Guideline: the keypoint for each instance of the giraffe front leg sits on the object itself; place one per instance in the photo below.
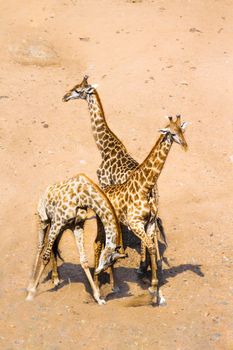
(113, 280)
(97, 252)
(54, 232)
(79, 238)
(32, 289)
(137, 226)
(143, 262)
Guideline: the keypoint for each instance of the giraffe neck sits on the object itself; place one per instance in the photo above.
(105, 139)
(148, 172)
(100, 204)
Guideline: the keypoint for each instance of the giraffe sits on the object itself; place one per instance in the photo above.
(117, 163)
(130, 199)
(64, 205)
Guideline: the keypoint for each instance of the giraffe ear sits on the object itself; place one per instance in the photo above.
(164, 131)
(184, 126)
(115, 256)
(90, 89)
(94, 86)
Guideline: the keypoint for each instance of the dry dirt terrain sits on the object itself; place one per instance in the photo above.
(150, 59)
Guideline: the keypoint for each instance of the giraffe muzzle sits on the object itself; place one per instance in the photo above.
(66, 97)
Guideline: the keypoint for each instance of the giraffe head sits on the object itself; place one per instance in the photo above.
(108, 257)
(82, 90)
(175, 130)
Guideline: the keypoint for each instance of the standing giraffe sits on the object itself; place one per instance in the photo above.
(64, 205)
(117, 164)
(130, 199)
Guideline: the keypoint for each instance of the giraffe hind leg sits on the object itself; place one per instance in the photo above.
(43, 232)
(43, 257)
(79, 238)
(54, 254)
(37, 273)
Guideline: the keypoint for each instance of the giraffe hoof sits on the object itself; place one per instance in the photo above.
(162, 301)
(56, 282)
(152, 291)
(101, 302)
(30, 297)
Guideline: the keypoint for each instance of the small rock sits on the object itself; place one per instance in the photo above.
(215, 336)
(85, 39)
(183, 83)
(193, 30)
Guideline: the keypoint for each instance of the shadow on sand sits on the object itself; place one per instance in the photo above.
(73, 273)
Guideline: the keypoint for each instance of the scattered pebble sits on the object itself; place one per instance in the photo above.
(85, 39)
(193, 30)
(215, 336)
(184, 83)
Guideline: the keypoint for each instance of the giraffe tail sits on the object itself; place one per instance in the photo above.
(56, 250)
(161, 230)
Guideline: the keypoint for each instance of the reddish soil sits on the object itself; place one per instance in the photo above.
(150, 59)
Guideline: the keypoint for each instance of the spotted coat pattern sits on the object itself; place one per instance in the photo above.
(64, 205)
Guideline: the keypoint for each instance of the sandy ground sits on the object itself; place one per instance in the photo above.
(150, 59)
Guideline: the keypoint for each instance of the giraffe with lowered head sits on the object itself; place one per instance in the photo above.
(64, 205)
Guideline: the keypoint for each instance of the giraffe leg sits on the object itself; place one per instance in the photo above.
(32, 289)
(159, 257)
(55, 229)
(43, 258)
(98, 247)
(78, 234)
(41, 242)
(120, 243)
(53, 259)
(55, 276)
(97, 252)
(152, 230)
(137, 226)
(156, 265)
(143, 262)
(113, 280)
